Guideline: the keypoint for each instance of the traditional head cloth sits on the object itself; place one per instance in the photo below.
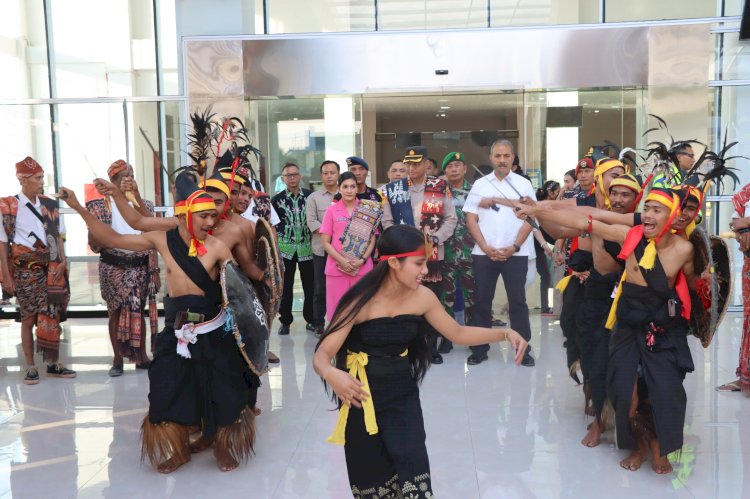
(603, 166)
(451, 157)
(117, 167)
(239, 175)
(28, 167)
(667, 199)
(189, 200)
(216, 180)
(685, 193)
(629, 181)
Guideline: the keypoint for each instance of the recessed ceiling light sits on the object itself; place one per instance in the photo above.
(445, 107)
(596, 110)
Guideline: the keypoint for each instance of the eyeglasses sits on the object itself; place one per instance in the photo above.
(290, 175)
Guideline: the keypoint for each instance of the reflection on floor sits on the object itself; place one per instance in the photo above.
(493, 430)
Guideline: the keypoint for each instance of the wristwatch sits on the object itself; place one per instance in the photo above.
(516, 247)
(435, 240)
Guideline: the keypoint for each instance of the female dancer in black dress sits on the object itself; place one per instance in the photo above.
(377, 338)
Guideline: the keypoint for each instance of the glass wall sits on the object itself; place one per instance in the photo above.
(23, 51)
(304, 131)
(301, 16)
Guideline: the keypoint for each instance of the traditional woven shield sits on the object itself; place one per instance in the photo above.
(711, 300)
(267, 254)
(246, 317)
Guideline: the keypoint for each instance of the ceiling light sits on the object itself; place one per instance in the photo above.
(445, 107)
(442, 115)
(596, 110)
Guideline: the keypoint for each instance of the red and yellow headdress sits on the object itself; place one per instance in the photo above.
(603, 166)
(191, 200)
(667, 199)
(631, 183)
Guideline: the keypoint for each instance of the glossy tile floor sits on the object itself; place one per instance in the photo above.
(493, 430)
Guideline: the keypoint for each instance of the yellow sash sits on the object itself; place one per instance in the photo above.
(355, 363)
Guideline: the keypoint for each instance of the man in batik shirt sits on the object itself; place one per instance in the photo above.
(295, 245)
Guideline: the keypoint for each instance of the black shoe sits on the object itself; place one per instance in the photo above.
(143, 365)
(319, 330)
(445, 346)
(437, 358)
(528, 361)
(499, 323)
(284, 329)
(309, 328)
(476, 358)
(60, 371)
(32, 376)
(116, 370)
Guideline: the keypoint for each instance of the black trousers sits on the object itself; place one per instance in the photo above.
(307, 273)
(544, 277)
(319, 291)
(486, 273)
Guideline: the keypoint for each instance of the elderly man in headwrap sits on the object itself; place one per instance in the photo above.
(34, 268)
(127, 279)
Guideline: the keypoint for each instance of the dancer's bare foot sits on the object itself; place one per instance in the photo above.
(171, 464)
(634, 461)
(593, 436)
(224, 459)
(660, 464)
(200, 445)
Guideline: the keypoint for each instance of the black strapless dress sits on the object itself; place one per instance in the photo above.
(392, 463)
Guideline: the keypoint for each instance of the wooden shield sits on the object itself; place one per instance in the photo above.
(710, 253)
(246, 317)
(269, 260)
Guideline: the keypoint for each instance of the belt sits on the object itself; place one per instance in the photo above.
(189, 332)
(355, 363)
(123, 261)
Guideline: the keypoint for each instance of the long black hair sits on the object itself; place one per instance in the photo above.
(342, 177)
(395, 240)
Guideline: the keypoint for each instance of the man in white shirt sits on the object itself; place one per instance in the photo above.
(34, 268)
(503, 246)
(317, 204)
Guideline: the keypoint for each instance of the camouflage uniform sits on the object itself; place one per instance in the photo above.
(458, 262)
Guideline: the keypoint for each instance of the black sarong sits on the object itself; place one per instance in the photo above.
(207, 389)
(663, 365)
(592, 335)
(580, 261)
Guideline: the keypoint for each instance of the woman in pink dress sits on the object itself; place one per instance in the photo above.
(342, 272)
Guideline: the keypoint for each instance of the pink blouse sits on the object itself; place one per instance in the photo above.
(334, 224)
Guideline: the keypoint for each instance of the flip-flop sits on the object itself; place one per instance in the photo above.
(734, 386)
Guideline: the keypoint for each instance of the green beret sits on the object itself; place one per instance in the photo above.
(452, 156)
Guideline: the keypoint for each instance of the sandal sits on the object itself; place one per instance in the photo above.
(734, 386)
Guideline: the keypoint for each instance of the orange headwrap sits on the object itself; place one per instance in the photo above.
(117, 167)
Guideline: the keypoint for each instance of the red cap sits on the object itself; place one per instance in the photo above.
(585, 162)
(28, 166)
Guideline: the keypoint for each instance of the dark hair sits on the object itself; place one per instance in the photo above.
(543, 192)
(395, 161)
(571, 174)
(434, 163)
(290, 164)
(344, 176)
(329, 162)
(681, 147)
(394, 240)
